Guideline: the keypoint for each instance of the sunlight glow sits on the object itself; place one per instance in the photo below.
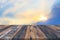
(43, 18)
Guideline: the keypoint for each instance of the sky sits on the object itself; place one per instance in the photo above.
(55, 13)
(13, 12)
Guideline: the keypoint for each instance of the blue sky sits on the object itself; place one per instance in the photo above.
(55, 20)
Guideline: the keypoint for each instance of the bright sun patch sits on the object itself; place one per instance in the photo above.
(43, 18)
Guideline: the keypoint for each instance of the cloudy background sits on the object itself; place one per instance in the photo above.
(29, 12)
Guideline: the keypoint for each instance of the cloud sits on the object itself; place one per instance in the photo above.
(27, 11)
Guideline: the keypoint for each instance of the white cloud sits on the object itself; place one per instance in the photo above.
(32, 10)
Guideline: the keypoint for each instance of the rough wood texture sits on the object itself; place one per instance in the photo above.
(30, 32)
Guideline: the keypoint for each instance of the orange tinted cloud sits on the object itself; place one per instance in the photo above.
(30, 13)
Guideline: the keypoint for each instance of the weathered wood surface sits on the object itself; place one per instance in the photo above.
(29, 32)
